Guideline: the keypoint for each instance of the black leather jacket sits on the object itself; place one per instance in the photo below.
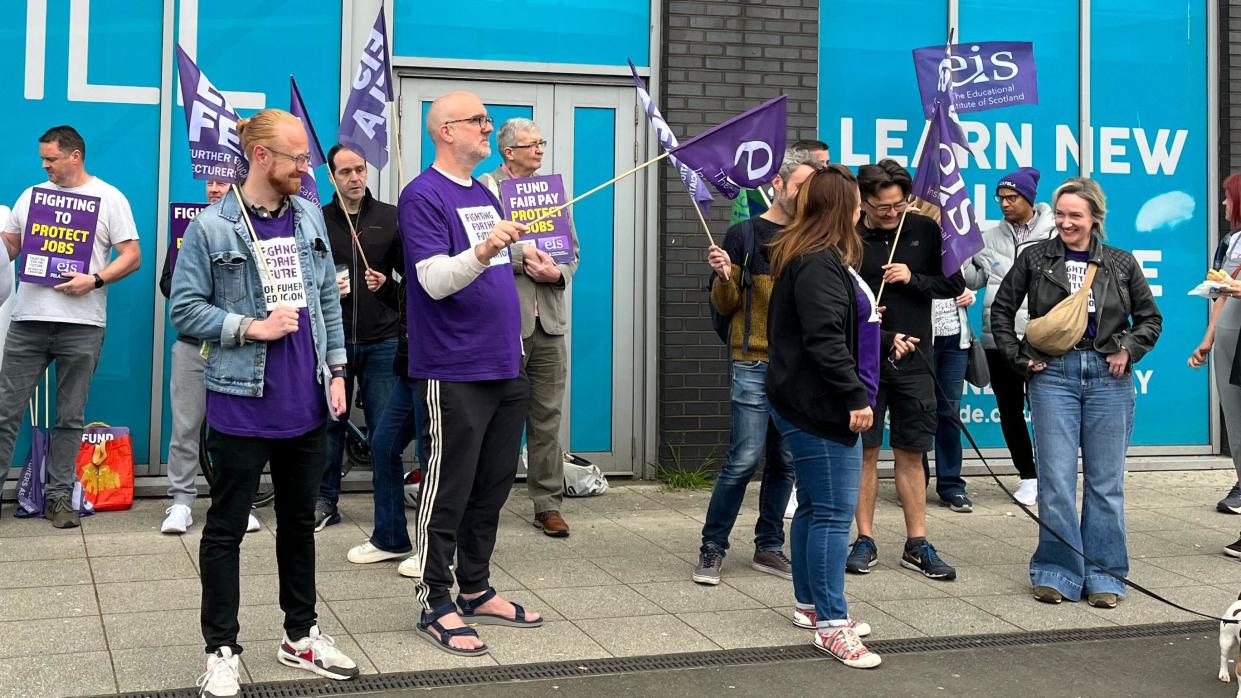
(1120, 293)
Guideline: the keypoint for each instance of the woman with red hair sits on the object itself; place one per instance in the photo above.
(1223, 333)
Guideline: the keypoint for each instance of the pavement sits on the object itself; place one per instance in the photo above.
(113, 606)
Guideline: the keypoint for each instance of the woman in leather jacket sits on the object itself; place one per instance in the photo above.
(1083, 399)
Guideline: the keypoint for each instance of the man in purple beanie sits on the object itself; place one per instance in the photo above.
(1025, 223)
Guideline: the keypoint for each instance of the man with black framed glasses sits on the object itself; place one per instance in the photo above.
(464, 326)
(544, 320)
(906, 387)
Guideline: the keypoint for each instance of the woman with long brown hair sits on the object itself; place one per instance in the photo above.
(824, 343)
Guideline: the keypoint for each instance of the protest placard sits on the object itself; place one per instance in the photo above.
(59, 236)
(179, 218)
(526, 200)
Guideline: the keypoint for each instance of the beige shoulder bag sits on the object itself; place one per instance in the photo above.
(1055, 333)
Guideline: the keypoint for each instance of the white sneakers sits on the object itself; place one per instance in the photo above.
(317, 653)
(367, 553)
(223, 676)
(844, 644)
(409, 568)
(1027, 492)
(179, 519)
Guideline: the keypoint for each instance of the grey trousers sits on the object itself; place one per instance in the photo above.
(29, 348)
(544, 362)
(1229, 394)
(188, 397)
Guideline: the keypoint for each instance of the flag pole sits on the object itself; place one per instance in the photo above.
(354, 232)
(705, 228)
(763, 194)
(555, 211)
(895, 242)
(396, 150)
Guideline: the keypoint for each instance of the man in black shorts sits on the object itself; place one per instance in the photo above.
(906, 387)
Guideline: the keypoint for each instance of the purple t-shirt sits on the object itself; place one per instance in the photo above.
(292, 402)
(1076, 263)
(869, 339)
(475, 333)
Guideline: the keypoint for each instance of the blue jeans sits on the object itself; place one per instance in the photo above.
(371, 366)
(1076, 402)
(402, 420)
(950, 364)
(828, 473)
(751, 434)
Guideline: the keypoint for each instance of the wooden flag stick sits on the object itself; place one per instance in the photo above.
(354, 232)
(396, 152)
(555, 211)
(705, 228)
(892, 253)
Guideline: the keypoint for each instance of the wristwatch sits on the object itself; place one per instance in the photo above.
(98, 281)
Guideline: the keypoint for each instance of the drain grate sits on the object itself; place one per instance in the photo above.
(694, 660)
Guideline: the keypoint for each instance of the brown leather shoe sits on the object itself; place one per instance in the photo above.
(552, 523)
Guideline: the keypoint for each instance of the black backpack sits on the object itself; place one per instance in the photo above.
(721, 322)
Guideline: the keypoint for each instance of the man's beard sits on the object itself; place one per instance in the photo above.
(288, 186)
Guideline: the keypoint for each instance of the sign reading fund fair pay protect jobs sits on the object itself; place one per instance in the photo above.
(59, 236)
(526, 200)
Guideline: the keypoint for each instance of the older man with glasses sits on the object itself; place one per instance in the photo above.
(465, 358)
(544, 321)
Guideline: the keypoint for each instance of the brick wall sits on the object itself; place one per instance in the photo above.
(1230, 87)
(721, 57)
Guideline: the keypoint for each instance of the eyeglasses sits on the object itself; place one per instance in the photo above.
(889, 208)
(1007, 198)
(537, 144)
(478, 120)
(302, 160)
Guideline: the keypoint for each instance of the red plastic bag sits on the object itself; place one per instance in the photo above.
(106, 467)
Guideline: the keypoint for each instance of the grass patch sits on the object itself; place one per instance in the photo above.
(674, 479)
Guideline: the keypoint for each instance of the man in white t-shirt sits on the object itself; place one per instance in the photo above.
(62, 323)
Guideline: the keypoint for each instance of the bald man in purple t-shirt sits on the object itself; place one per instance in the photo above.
(465, 360)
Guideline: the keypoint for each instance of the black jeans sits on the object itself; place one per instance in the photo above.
(1009, 387)
(296, 466)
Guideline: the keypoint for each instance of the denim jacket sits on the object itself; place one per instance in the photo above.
(216, 285)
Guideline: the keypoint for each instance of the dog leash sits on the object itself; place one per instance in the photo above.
(1122, 579)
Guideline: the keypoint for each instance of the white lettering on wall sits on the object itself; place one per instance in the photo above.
(1149, 257)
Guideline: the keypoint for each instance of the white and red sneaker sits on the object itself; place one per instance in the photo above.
(844, 644)
(317, 653)
(223, 676)
(808, 619)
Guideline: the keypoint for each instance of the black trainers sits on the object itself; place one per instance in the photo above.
(710, 562)
(958, 503)
(60, 512)
(862, 556)
(1233, 549)
(923, 558)
(1231, 503)
(325, 515)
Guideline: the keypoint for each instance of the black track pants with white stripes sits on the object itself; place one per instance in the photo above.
(474, 438)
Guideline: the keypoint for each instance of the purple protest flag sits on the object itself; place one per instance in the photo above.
(986, 75)
(309, 189)
(215, 149)
(364, 125)
(939, 181)
(741, 153)
(697, 188)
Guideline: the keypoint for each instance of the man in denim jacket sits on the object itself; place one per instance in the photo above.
(258, 288)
